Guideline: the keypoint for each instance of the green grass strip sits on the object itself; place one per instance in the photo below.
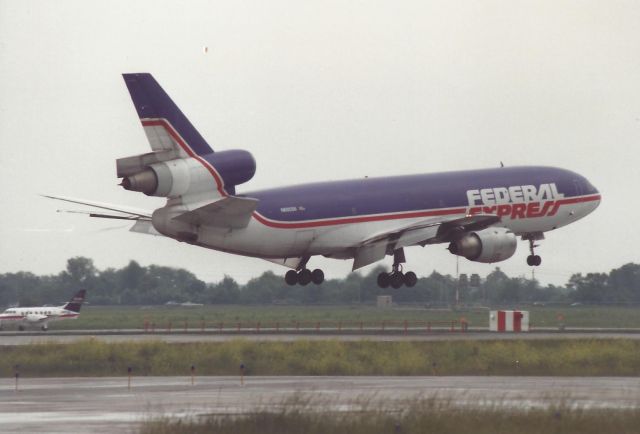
(91, 357)
(423, 416)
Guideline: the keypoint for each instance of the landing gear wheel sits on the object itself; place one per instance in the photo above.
(291, 277)
(304, 277)
(383, 280)
(21, 328)
(410, 279)
(317, 276)
(397, 279)
(534, 260)
(44, 328)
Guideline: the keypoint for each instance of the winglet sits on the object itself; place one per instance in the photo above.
(155, 108)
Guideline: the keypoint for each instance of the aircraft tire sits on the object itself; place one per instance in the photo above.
(291, 277)
(317, 276)
(21, 328)
(383, 280)
(537, 260)
(530, 260)
(397, 279)
(304, 277)
(410, 279)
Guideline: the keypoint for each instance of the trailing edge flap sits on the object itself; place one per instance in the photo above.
(231, 212)
(287, 262)
(369, 254)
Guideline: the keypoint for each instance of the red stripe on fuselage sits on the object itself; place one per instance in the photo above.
(176, 137)
(553, 205)
(348, 220)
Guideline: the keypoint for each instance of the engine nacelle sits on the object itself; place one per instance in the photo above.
(180, 176)
(488, 245)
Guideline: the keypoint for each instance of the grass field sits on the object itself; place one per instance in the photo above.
(421, 416)
(131, 317)
(552, 357)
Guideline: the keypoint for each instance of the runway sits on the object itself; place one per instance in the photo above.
(105, 405)
(67, 337)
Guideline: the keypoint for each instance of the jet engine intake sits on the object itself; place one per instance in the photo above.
(488, 245)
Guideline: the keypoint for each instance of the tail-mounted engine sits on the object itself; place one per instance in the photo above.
(488, 245)
(161, 174)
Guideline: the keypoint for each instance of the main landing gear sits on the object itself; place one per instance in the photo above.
(304, 276)
(397, 278)
(533, 260)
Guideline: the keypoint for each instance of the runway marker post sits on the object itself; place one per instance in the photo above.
(129, 378)
(193, 372)
(16, 370)
(242, 374)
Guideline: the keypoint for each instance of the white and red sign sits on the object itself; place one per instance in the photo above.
(509, 321)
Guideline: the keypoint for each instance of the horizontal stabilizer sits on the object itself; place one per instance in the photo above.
(231, 212)
(117, 208)
(144, 227)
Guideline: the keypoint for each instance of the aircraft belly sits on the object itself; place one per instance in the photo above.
(255, 240)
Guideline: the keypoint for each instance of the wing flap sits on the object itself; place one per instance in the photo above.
(423, 232)
(369, 254)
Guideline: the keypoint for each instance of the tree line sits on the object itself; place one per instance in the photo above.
(138, 285)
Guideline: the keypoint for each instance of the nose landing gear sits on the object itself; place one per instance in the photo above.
(533, 260)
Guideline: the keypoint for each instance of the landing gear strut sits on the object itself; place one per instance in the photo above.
(397, 278)
(533, 260)
(304, 276)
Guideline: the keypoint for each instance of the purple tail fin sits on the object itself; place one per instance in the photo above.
(152, 102)
(75, 303)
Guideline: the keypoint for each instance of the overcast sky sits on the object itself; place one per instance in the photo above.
(318, 90)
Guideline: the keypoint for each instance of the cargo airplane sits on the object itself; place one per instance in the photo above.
(478, 213)
(41, 316)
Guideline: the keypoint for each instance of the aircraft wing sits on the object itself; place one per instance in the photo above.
(231, 212)
(421, 233)
(33, 318)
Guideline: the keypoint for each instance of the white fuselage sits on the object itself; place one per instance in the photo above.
(263, 240)
(35, 315)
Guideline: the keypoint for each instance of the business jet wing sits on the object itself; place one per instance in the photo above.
(431, 231)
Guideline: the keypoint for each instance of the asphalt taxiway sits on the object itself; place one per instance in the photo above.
(105, 405)
(66, 337)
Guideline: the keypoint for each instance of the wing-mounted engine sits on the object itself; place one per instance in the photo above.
(493, 244)
(162, 174)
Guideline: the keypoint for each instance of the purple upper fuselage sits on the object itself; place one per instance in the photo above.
(358, 197)
(338, 199)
